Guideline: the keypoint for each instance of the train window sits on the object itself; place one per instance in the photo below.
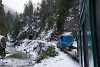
(89, 36)
(90, 50)
(61, 38)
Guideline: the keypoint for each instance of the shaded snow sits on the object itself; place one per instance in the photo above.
(45, 35)
(70, 18)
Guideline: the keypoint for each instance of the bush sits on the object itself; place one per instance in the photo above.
(49, 52)
(38, 59)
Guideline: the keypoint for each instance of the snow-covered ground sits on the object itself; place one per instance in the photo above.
(60, 60)
(28, 50)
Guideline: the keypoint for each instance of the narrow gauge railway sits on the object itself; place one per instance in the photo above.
(65, 44)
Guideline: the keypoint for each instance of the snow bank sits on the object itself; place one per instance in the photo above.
(62, 60)
(14, 62)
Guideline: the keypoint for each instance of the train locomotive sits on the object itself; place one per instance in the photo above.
(65, 41)
(65, 44)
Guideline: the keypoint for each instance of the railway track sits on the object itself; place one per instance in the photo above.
(71, 53)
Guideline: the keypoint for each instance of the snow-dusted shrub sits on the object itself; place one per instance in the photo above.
(38, 59)
(44, 53)
(49, 52)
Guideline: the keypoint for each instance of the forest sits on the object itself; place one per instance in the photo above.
(61, 16)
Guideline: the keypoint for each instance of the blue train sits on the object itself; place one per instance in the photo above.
(65, 41)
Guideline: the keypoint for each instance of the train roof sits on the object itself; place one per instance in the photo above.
(66, 34)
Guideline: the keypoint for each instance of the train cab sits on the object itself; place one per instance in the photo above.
(65, 41)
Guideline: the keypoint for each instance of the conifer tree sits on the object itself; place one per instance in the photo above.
(2, 20)
(17, 27)
(28, 12)
(63, 7)
(9, 21)
(43, 14)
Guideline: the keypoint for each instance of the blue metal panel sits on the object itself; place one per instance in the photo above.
(66, 41)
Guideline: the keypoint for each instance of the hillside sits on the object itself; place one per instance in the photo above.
(32, 35)
(42, 54)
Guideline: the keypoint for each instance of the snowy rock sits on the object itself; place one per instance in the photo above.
(1, 37)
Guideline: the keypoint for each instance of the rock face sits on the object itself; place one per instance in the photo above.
(2, 46)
